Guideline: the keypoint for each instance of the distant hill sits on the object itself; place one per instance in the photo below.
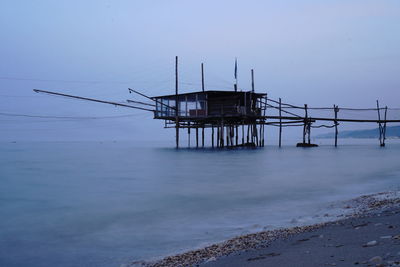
(391, 132)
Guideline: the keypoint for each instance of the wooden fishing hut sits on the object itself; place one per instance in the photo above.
(235, 118)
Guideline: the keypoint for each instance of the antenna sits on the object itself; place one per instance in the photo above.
(235, 86)
(252, 80)
(202, 77)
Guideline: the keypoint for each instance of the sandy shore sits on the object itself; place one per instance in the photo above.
(368, 234)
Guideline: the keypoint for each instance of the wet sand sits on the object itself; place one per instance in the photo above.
(368, 236)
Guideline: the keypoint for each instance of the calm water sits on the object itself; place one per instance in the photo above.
(104, 204)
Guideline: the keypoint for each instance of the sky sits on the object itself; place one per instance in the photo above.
(315, 52)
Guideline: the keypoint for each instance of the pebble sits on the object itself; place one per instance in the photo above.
(375, 260)
(371, 243)
(386, 237)
(211, 259)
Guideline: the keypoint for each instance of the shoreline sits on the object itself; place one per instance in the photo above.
(235, 248)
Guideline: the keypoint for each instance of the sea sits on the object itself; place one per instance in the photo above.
(112, 203)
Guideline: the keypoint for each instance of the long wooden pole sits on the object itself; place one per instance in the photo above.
(176, 103)
(90, 99)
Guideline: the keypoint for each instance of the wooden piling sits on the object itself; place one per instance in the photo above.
(188, 134)
(384, 127)
(280, 122)
(242, 133)
(197, 136)
(382, 143)
(202, 136)
(212, 136)
(222, 133)
(218, 137)
(336, 109)
(237, 135)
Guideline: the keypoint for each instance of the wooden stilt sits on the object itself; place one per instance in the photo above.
(336, 109)
(188, 134)
(222, 133)
(280, 122)
(384, 127)
(380, 125)
(202, 136)
(248, 132)
(212, 136)
(218, 136)
(305, 124)
(237, 135)
(256, 133)
(242, 133)
(197, 136)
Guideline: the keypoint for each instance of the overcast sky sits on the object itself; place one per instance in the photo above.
(316, 52)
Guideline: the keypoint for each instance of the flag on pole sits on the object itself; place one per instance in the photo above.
(235, 68)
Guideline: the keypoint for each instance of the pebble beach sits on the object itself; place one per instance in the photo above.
(367, 233)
